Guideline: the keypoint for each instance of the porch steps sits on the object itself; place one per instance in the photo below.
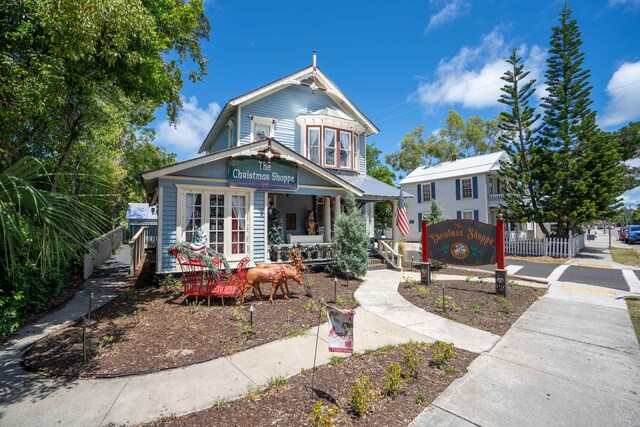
(376, 263)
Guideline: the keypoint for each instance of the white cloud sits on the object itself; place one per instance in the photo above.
(451, 10)
(472, 77)
(624, 93)
(614, 3)
(195, 123)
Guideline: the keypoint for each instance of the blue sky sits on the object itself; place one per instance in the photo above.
(406, 63)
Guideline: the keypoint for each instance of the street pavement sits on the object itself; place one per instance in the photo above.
(592, 266)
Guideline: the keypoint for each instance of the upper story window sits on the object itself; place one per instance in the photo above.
(467, 189)
(426, 193)
(261, 128)
(313, 139)
(329, 147)
(345, 150)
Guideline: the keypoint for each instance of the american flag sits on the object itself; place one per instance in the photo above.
(401, 221)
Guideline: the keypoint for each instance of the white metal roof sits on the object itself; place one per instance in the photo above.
(455, 168)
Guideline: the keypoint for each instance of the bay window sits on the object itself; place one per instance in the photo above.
(329, 147)
(345, 149)
(223, 215)
(313, 139)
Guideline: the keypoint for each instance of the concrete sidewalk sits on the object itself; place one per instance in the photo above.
(571, 359)
(32, 400)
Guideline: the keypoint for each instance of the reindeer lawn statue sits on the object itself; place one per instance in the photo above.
(275, 274)
(296, 262)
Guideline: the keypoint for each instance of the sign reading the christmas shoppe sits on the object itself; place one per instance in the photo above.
(462, 242)
(252, 172)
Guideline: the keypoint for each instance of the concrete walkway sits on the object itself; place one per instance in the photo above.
(571, 359)
(379, 294)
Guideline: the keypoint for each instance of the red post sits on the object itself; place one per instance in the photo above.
(425, 243)
(500, 243)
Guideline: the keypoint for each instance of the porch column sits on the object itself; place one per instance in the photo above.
(326, 219)
(395, 233)
(336, 208)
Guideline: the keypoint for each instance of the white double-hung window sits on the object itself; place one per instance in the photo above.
(262, 128)
(224, 216)
(345, 150)
(329, 147)
(313, 139)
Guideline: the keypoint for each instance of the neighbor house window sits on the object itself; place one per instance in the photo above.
(222, 215)
(426, 192)
(329, 147)
(261, 128)
(345, 150)
(467, 191)
(467, 214)
(313, 139)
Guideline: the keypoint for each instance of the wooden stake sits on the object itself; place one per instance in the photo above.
(315, 354)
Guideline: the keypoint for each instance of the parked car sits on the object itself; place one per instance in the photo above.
(622, 233)
(633, 234)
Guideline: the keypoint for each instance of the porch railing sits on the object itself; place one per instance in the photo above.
(145, 238)
(319, 252)
(101, 248)
(496, 199)
(389, 254)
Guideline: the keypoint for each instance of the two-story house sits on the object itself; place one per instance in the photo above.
(297, 144)
(467, 188)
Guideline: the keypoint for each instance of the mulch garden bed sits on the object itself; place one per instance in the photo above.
(148, 328)
(473, 303)
(289, 402)
(457, 271)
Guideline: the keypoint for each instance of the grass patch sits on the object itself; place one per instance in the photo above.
(626, 256)
(543, 259)
(297, 332)
(634, 311)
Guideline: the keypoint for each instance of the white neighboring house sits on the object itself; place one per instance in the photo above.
(467, 188)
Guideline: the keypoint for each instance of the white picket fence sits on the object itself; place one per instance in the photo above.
(553, 247)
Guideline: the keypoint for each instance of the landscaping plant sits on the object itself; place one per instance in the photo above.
(412, 360)
(323, 416)
(351, 243)
(362, 395)
(393, 379)
(442, 351)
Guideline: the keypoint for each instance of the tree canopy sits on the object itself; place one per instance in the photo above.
(458, 137)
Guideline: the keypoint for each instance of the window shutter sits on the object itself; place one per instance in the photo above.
(476, 215)
(433, 191)
(419, 193)
(420, 222)
(475, 187)
(457, 189)
(459, 214)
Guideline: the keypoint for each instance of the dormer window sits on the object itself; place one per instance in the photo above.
(261, 128)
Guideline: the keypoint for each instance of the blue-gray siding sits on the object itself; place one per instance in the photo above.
(259, 226)
(284, 106)
(168, 211)
(363, 154)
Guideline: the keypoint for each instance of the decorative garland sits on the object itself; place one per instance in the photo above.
(203, 255)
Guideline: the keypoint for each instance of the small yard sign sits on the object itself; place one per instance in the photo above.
(340, 330)
(258, 173)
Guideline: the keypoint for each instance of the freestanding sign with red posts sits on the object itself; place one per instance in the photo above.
(464, 242)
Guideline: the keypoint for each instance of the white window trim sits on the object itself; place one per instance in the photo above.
(335, 147)
(467, 212)
(427, 186)
(351, 149)
(462, 196)
(306, 140)
(267, 121)
(230, 132)
(183, 189)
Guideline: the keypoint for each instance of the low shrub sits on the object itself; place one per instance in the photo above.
(412, 360)
(442, 351)
(362, 395)
(323, 416)
(393, 379)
